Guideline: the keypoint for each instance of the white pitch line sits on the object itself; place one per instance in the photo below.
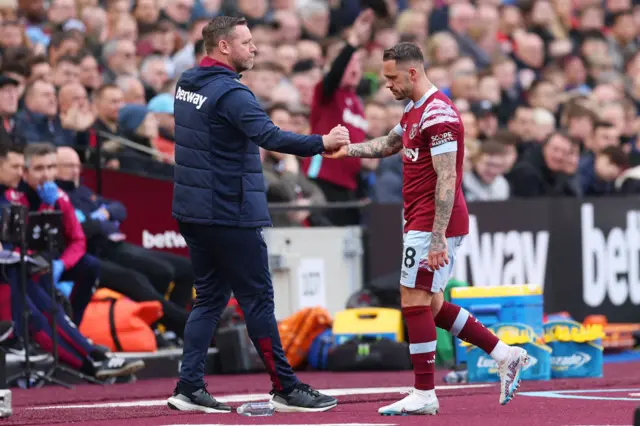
(315, 424)
(253, 397)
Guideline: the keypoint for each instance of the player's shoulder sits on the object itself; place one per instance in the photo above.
(439, 110)
(440, 102)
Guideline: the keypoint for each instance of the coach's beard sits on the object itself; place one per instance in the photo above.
(244, 65)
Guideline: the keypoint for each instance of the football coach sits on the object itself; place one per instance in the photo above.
(220, 203)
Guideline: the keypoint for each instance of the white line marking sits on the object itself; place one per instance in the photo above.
(254, 397)
(315, 424)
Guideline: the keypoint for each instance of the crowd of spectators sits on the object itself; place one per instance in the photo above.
(548, 90)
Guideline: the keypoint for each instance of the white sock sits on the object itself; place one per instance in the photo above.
(500, 352)
(425, 393)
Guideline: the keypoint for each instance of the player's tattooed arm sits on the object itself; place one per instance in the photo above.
(445, 167)
(383, 146)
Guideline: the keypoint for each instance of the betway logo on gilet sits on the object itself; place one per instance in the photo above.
(501, 258)
(610, 262)
(192, 98)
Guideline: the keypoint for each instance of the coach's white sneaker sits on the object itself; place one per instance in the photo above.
(417, 402)
(509, 371)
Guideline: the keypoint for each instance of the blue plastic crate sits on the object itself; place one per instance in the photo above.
(573, 358)
(502, 304)
(482, 368)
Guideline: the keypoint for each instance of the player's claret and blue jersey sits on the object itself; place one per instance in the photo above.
(219, 125)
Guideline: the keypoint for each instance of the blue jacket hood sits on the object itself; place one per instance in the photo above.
(196, 78)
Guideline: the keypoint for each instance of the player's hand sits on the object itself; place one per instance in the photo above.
(340, 153)
(337, 137)
(438, 255)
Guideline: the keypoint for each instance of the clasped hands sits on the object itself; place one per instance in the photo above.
(336, 142)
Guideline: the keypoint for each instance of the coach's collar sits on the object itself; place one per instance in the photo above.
(210, 62)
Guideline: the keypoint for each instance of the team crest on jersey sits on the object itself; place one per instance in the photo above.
(414, 130)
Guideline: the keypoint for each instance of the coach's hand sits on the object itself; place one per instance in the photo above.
(337, 137)
(438, 255)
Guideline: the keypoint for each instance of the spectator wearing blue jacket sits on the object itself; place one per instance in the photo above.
(39, 120)
(221, 206)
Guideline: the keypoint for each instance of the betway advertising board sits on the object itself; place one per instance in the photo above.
(585, 254)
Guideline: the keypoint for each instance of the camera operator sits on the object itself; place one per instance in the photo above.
(42, 194)
(74, 350)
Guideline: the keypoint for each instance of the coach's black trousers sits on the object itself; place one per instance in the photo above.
(229, 259)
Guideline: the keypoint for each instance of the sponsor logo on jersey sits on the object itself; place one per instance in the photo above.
(442, 138)
(412, 153)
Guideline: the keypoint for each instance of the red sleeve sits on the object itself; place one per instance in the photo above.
(76, 241)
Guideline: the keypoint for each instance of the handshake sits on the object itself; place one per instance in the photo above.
(336, 142)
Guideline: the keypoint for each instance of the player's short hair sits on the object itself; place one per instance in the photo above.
(219, 28)
(39, 149)
(404, 52)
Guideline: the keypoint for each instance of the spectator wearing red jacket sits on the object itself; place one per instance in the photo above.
(71, 263)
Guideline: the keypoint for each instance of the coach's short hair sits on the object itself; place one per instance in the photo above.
(404, 52)
(219, 28)
(38, 149)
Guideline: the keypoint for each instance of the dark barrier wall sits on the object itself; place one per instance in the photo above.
(585, 253)
(148, 201)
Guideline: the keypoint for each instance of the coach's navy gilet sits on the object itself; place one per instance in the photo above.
(218, 174)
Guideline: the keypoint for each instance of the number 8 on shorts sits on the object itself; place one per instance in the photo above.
(415, 273)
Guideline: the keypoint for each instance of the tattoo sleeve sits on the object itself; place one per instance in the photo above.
(445, 166)
(377, 148)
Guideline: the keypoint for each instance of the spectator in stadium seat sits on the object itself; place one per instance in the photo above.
(39, 69)
(154, 74)
(89, 76)
(605, 135)
(39, 120)
(8, 104)
(119, 58)
(137, 124)
(461, 18)
(545, 124)
(485, 181)
(510, 142)
(335, 102)
(486, 118)
(63, 43)
(67, 70)
(285, 183)
(133, 89)
(541, 172)
(168, 272)
(107, 102)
